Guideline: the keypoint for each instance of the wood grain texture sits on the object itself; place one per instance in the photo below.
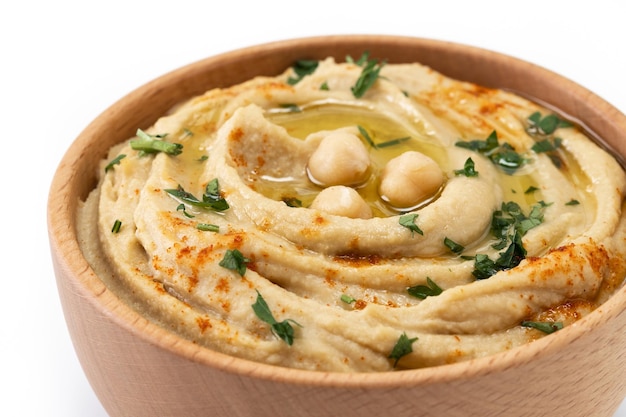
(139, 369)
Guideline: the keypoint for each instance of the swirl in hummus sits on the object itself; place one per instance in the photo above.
(420, 222)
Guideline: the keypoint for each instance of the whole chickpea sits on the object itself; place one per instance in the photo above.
(410, 179)
(342, 201)
(340, 159)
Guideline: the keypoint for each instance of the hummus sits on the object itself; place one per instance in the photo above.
(359, 217)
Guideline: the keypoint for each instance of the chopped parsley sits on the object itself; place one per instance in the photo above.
(292, 201)
(502, 155)
(147, 144)
(422, 291)
(234, 260)
(508, 225)
(546, 327)
(531, 189)
(114, 161)
(302, 68)
(283, 330)
(468, 169)
(366, 136)
(117, 225)
(408, 221)
(291, 107)
(347, 299)
(393, 142)
(207, 227)
(386, 144)
(453, 246)
(547, 145)
(211, 199)
(369, 74)
(572, 202)
(545, 125)
(324, 86)
(402, 348)
(182, 207)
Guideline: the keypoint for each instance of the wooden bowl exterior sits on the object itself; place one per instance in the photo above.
(138, 369)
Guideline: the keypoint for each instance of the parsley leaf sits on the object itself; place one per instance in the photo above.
(302, 68)
(369, 75)
(572, 202)
(183, 207)
(402, 348)
(211, 199)
(546, 327)
(545, 125)
(502, 155)
(366, 136)
(283, 330)
(453, 246)
(154, 143)
(114, 161)
(508, 225)
(408, 221)
(393, 142)
(468, 169)
(422, 291)
(292, 201)
(362, 59)
(234, 260)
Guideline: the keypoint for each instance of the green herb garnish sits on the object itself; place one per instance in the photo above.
(366, 136)
(508, 225)
(502, 155)
(531, 189)
(361, 61)
(234, 260)
(572, 202)
(147, 144)
(547, 145)
(545, 125)
(292, 107)
(114, 161)
(422, 291)
(393, 142)
(211, 199)
(117, 225)
(324, 86)
(283, 329)
(546, 327)
(468, 169)
(207, 227)
(453, 246)
(292, 201)
(347, 299)
(402, 348)
(302, 68)
(369, 75)
(408, 221)
(182, 207)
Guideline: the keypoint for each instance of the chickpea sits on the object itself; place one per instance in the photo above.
(340, 159)
(410, 179)
(342, 201)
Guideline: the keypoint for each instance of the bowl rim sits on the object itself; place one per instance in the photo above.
(65, 247)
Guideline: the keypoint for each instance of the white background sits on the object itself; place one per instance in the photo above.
(64, 62)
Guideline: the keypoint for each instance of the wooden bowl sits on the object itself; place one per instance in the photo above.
(138, 369)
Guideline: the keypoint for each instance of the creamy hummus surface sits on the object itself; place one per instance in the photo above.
(359, 216)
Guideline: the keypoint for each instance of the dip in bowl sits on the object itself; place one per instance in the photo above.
(216, 269)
